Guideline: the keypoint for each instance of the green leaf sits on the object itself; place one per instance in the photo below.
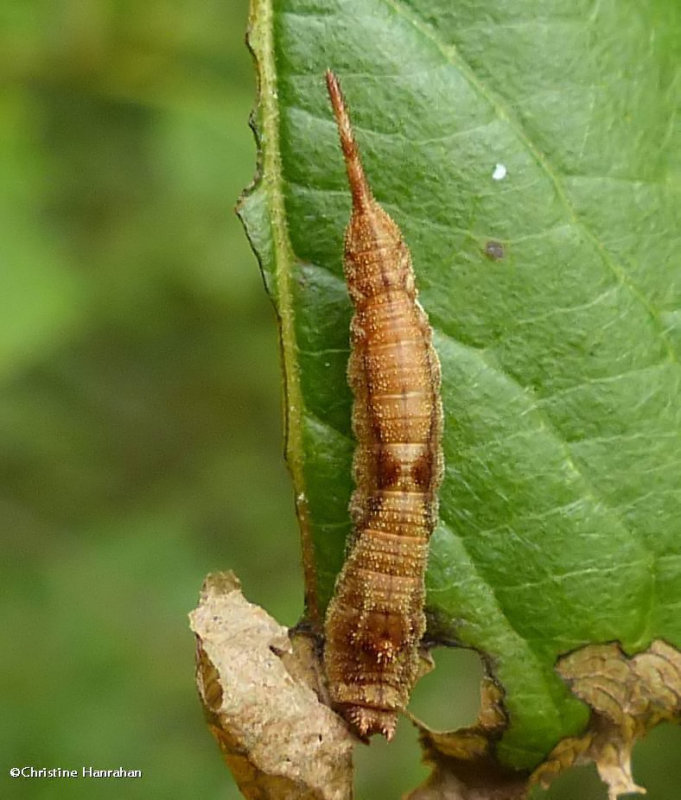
(554, 291)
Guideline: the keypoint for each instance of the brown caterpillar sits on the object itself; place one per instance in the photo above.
(375, 620)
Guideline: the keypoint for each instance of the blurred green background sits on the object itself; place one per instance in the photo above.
(140, 412)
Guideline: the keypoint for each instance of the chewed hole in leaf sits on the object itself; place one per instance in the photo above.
(390, 769)
(656, 761)
(448, 696)
(580, 782)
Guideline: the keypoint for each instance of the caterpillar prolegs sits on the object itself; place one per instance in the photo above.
(376, 619)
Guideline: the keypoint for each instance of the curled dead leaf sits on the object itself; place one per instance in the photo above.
(257, 690)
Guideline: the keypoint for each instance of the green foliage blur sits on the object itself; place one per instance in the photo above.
(140, 411)
(140, 419)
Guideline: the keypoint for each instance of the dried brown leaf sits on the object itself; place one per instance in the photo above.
(628, 697)
(278, 739)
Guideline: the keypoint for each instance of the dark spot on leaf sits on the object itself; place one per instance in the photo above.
(495, 250)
